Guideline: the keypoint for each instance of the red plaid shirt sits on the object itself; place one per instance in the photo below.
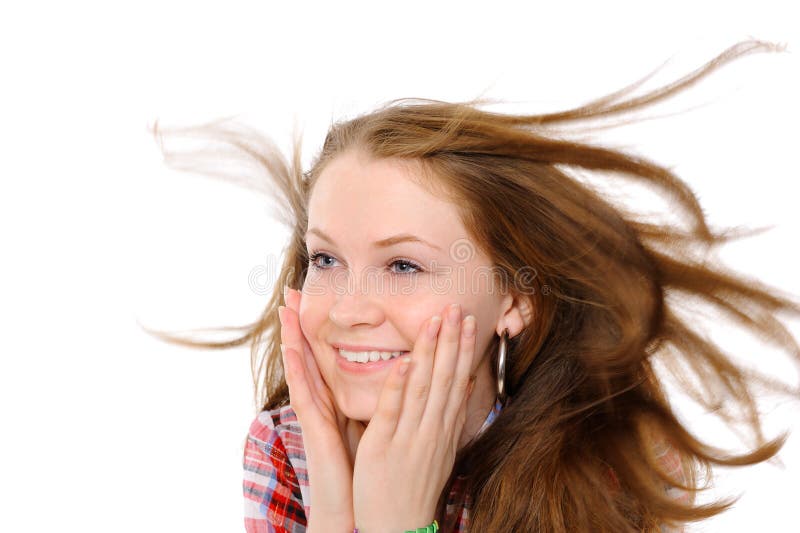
(276, 476)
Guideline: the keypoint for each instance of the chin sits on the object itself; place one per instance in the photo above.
(359, 407)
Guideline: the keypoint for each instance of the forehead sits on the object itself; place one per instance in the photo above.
(358, 195)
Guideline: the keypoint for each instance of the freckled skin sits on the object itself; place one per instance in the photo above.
(362, 296)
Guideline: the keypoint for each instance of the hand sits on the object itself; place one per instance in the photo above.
(408, 450)
(329, 438)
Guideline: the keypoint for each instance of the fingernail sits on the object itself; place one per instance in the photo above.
(285, 292)
(404, 363)
(433, 327)
(469, 326)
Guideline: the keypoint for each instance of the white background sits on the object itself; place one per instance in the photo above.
(107, 429)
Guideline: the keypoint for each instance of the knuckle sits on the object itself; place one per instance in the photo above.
(446, 382)
(462, 383)
(387, 411)
(419, 391)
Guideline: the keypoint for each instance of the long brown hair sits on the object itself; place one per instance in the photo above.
(607, 294)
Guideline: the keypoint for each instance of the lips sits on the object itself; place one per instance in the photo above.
(363, 348)
(364, 369)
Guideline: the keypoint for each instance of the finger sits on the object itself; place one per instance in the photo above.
(444, 365)
(461, 417)
(293, 298)
(301, 400)
(419, 379)
(290, 339)
(290, 330)
(463, 370)
(383, 423)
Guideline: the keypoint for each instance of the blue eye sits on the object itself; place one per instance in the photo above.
(415, 268)
(315, 256)
(406, 263)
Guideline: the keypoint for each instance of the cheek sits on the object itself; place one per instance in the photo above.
(313, 311)
(486, 312)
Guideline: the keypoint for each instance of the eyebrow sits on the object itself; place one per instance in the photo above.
(383, 243)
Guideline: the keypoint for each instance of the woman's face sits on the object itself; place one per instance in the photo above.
(364, 294)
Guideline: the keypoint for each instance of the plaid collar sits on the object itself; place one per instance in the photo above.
(491, 416)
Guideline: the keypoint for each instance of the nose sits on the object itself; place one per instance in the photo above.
(353, 307)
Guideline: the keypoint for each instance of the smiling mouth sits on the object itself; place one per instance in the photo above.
(366, 357)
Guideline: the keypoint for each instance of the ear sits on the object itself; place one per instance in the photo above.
(516, 314)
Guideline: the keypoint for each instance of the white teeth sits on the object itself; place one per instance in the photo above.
(363, 357)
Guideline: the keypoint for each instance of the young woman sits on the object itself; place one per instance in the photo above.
(463, 335)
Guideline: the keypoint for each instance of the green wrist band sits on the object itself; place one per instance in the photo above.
(433, 528)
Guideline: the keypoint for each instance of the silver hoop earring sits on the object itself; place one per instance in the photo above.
(501, 366)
